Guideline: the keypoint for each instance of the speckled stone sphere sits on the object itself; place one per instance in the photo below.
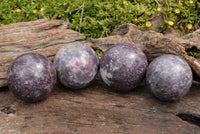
(77, 65)
(169, 77)
(123, 66)
(31, 77)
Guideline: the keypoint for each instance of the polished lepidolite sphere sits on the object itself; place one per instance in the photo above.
(31, 77)
(123, 66)
(169, 77)
(77, 65)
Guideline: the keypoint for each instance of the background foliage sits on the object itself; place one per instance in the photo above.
(97, 18)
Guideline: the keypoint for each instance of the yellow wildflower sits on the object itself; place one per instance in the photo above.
(125, 2)
(34, 11)
(18, 10)
(0, 13)
(55, 7)
(148, 24)
(68, 10)
(99, 57)
(189, 26)
(159, 9)
(191, 1)
(177, 11)
(42, 9)
(171, 23)
(2, 24)
(135, 19)
(33, 3)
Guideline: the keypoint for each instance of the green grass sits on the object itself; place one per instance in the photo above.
(194, 52)
(99, 17)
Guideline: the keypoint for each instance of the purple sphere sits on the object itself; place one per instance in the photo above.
(77, 65)
(169, 77)
(123, 66)
(31, 77)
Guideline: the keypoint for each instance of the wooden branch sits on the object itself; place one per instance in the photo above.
(82, 11)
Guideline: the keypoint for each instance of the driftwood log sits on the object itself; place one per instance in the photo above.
(47, 36)
(95, 109)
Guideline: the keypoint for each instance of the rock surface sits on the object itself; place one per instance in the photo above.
(31, 77)
(123, 66)
(77, 65)
(169, 77)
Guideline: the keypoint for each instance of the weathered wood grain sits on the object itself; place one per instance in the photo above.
(98, 110)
